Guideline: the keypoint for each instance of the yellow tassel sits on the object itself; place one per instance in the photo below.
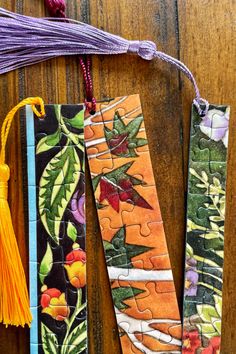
(14, 298)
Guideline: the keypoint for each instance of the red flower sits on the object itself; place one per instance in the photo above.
(121, 190)
(191, 342)
(213, 347)
(76, 267)
(54, 303)
(119, 144)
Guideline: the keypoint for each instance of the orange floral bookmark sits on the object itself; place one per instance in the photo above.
(132, 228)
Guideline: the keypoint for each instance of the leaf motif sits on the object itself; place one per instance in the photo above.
(118, 253)
(215, 218)
(211, 235)
(46, 264)
(206, 312)
(48, 142)
(122, 140)
(77, 340)
(207, 329)
(204, 176)
(118, 186)
(123, 293)
(57, 185)
(49, 340)
(216, 182)
(77, 121)
(71, 231)
(95, 181)
(217, 325)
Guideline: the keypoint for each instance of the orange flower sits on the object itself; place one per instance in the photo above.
(54, 303)
(76, 266)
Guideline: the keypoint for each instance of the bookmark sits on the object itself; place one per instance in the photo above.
(205, 231)
(56, 197)
(134, 242)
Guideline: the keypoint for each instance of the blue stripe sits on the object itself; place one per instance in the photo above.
(32, 229)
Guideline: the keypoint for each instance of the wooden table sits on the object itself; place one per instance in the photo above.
(202, 34)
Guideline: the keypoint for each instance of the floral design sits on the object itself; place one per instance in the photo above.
(78, 207)
(216, 125)
(118, 155)
(191, 277)
(191, 342)
(60, 157)
(122, 139)
(76, 267)
(205, 230)
(118, 186)
(54, 304)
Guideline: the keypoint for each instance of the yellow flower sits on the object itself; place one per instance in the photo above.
(76, 267)
(54, 303)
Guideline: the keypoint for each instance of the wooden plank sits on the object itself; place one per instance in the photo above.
(208, 47)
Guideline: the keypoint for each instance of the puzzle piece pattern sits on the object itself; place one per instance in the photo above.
(205, 230)
(55, 148)
(132, 229)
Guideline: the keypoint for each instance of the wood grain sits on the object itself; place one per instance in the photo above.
(203, 34)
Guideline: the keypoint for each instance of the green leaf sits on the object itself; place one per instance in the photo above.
(204, 176)
(123, 293)
(215, 218)
(218, 304)
(56, 187)
(217, 325)
(48, 142)
(189, 250)
(206, 312)
(46, 264)
(77, 340)
(76, 122)
(119, 253)
(207, 329)
(133, 127)
(211, 235)
(49, 340)
(95, 181)
(122, 140)
(137, 142)
(71, 231)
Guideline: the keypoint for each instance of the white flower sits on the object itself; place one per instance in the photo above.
(216, 125)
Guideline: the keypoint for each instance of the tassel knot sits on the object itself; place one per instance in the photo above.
(4, 177)
(145, 49)
(4, 173)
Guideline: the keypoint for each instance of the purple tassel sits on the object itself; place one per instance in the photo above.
(28, 40)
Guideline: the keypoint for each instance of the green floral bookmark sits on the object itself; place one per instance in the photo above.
(55, 147)
(205, 231)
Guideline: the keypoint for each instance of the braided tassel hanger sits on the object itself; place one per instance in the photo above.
(14, 298)
(57, 8)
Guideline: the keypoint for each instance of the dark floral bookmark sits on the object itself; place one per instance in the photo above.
(55, 147)
(205, 231)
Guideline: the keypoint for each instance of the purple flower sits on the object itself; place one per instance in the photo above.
(191, 277)
(190, 262)
(78, 207)
(191, 280)
(216, 125)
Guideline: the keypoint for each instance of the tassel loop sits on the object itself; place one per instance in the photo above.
(14, 298)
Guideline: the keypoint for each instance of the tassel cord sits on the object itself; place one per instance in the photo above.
(57, 9)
